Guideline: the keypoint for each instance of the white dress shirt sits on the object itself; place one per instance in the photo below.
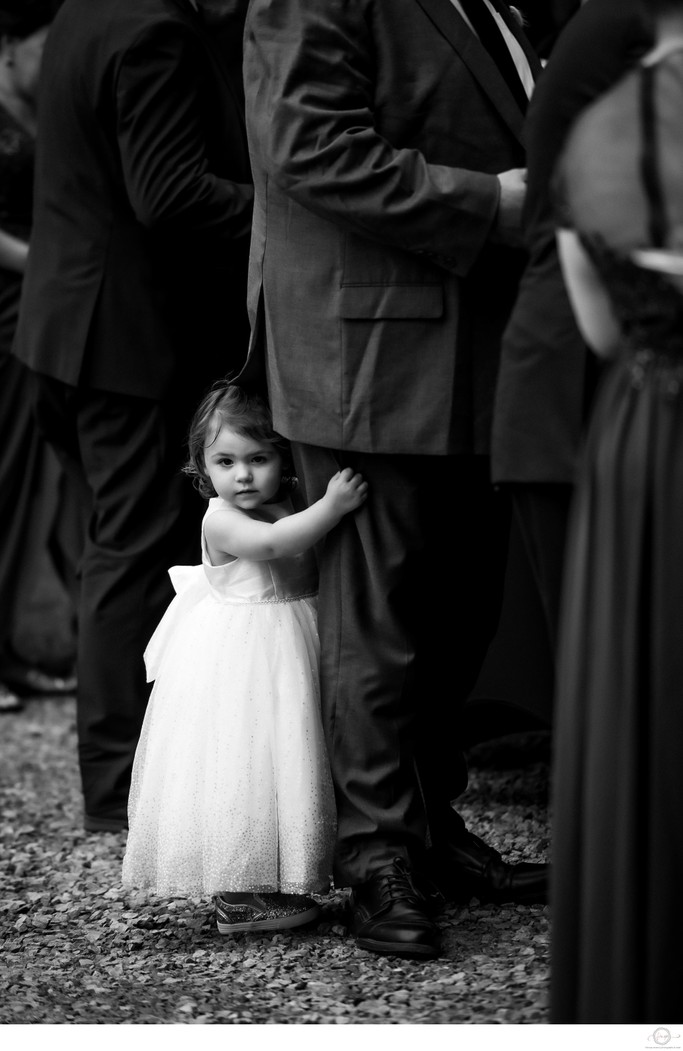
(518, 56)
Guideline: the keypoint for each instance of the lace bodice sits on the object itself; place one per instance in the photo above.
(649, 307)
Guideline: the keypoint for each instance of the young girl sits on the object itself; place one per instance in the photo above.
(231, 793)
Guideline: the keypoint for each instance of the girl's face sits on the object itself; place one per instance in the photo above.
(244, 472)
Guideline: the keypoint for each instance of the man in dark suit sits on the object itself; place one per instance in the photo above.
(547, 377)
(386, 148)
(133, 304)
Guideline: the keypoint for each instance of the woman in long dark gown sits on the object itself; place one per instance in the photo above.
(30, 479)
(617, 906)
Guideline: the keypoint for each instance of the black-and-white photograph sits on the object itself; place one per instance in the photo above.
(341, 381)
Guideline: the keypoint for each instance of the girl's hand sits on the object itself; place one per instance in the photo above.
(233, 532)
(346, 491)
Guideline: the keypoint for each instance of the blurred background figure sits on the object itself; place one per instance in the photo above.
(132, 305)
(39, 530)
(618, 750)
(547, 377)
(388, 136)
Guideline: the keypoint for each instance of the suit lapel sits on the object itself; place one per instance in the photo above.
(453, 27)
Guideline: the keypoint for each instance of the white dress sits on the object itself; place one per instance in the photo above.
(231, 788)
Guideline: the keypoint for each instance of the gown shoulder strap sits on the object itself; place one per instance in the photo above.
(649, 159)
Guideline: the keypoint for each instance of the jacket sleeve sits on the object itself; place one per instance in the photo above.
(162, 144)
(310, 82)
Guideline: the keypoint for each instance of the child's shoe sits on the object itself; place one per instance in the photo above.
(263, 912)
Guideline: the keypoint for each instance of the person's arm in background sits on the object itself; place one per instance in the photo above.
(589, 299)
(13, 252)
(163, 150)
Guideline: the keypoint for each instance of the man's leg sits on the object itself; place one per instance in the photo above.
(19, 472)
(451, 650)
(410, 593)
(144, 519)
(370, 585)
(368, 614)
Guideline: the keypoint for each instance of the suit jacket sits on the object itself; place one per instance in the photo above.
(376, 128)
(143, 198)
(546, 374)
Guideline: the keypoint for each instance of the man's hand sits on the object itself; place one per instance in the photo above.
(507, 228)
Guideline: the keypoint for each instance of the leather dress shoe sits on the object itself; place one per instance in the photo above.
(388, 915)
(468, 868)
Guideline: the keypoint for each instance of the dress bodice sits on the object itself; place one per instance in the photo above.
(622, 193)
(648, 306)
(272, 580)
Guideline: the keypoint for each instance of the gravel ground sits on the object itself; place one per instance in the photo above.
(78, 949)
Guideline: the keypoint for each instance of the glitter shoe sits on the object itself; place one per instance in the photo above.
(263, 912)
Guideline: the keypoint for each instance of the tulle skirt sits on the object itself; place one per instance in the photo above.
(231, 788)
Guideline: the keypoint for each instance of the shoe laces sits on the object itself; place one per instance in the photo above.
(399, 882)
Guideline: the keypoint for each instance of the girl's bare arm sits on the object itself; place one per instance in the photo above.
(233, 532)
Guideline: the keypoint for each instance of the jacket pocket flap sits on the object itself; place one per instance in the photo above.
(391, 301)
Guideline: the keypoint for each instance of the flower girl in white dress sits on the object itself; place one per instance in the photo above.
(231, 794)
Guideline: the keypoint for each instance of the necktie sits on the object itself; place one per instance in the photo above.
(492, 39)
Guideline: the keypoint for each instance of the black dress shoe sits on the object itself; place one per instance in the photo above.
(468, 868)
(389, 915)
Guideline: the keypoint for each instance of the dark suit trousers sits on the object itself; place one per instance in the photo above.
(542, 512)
(142, 517)
(20, 471)
(410, 593)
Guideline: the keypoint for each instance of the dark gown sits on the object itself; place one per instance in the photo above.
(617, 901)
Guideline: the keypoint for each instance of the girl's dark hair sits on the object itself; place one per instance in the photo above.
(22, 18)
(228, 405)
